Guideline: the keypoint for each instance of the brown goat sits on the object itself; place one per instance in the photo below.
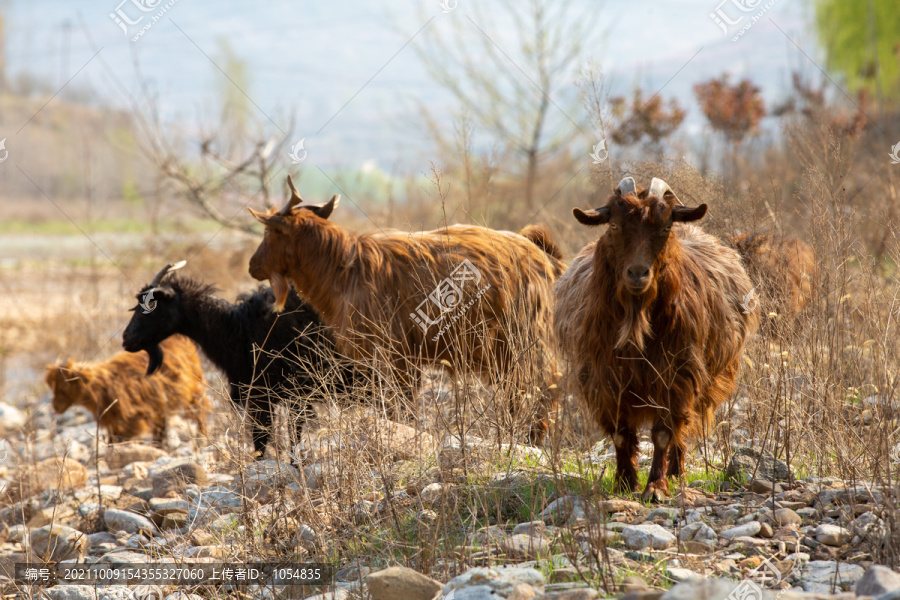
(650, 318)
(128, 403)
(782, 269)
(419, 298)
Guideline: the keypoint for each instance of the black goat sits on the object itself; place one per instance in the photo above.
(267, 356)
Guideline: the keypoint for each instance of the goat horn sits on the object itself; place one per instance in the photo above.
(625, 187)
(167, 269)
(659, 188)
(293, 201)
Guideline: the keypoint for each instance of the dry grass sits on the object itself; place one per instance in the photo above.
(820, 393)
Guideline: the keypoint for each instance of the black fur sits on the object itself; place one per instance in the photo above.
(265, 356)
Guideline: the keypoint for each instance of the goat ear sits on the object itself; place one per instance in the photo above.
(685, 214)
(598, 216)
(324, 210)
(275, 221)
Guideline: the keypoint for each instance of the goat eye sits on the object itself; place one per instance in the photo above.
(613, 226)
(666, 230)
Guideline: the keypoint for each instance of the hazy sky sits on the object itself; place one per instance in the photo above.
(312, 60)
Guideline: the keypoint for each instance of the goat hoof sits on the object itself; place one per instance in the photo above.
(656, 491)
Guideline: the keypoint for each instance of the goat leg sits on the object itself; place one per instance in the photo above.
(657, 483)
(626, 443)
(676, 457)
(260, 414)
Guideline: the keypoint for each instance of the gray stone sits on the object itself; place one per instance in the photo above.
(535, 528)
(401, 582)
(746, 530)
(808, 513)
(832, 535)
(71, 592)
(647, 535)
(698, 532)
(501, 580)
(174, 477)
(662, 512)
(785, 516)
(877, 580)
(692, 516)
(818, 575)
(121, 455)
(354, 572)
(305, 536)
(214, 502)
(260, 479)
(431, 494)
(745, 460)
(681, 574)
(576, 594)
(525, 547)
(179, 595)
(487, 535)
(709, 589)
(124, 558)
(477, 592)
(123, 520)
(58, 542)
(564, 510)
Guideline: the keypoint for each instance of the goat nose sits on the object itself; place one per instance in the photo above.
(638, 273)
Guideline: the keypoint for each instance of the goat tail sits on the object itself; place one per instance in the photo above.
(540, 236)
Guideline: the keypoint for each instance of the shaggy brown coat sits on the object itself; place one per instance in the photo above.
(650, 319)
(143, 401)
(782, 269)
(384, 293)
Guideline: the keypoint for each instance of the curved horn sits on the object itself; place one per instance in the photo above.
(293, 201)
(625, 187)
(660, 188)
(167, 269)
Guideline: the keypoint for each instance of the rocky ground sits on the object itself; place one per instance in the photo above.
(68, 496)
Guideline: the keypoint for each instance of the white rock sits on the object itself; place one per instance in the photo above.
(647, 535)
(500, 579)
(532, 528)
(338, 594)
(681, 574)
(710, 589)
(11, 419)
(747, 529)
(832, 535)
(431, 494)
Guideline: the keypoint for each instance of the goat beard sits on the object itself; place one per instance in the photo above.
(636, 323)
(280, 288)
(156, 359)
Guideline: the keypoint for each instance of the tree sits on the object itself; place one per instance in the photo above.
(861, 39)
(512, 93)
(735, 110)
(639, 119)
